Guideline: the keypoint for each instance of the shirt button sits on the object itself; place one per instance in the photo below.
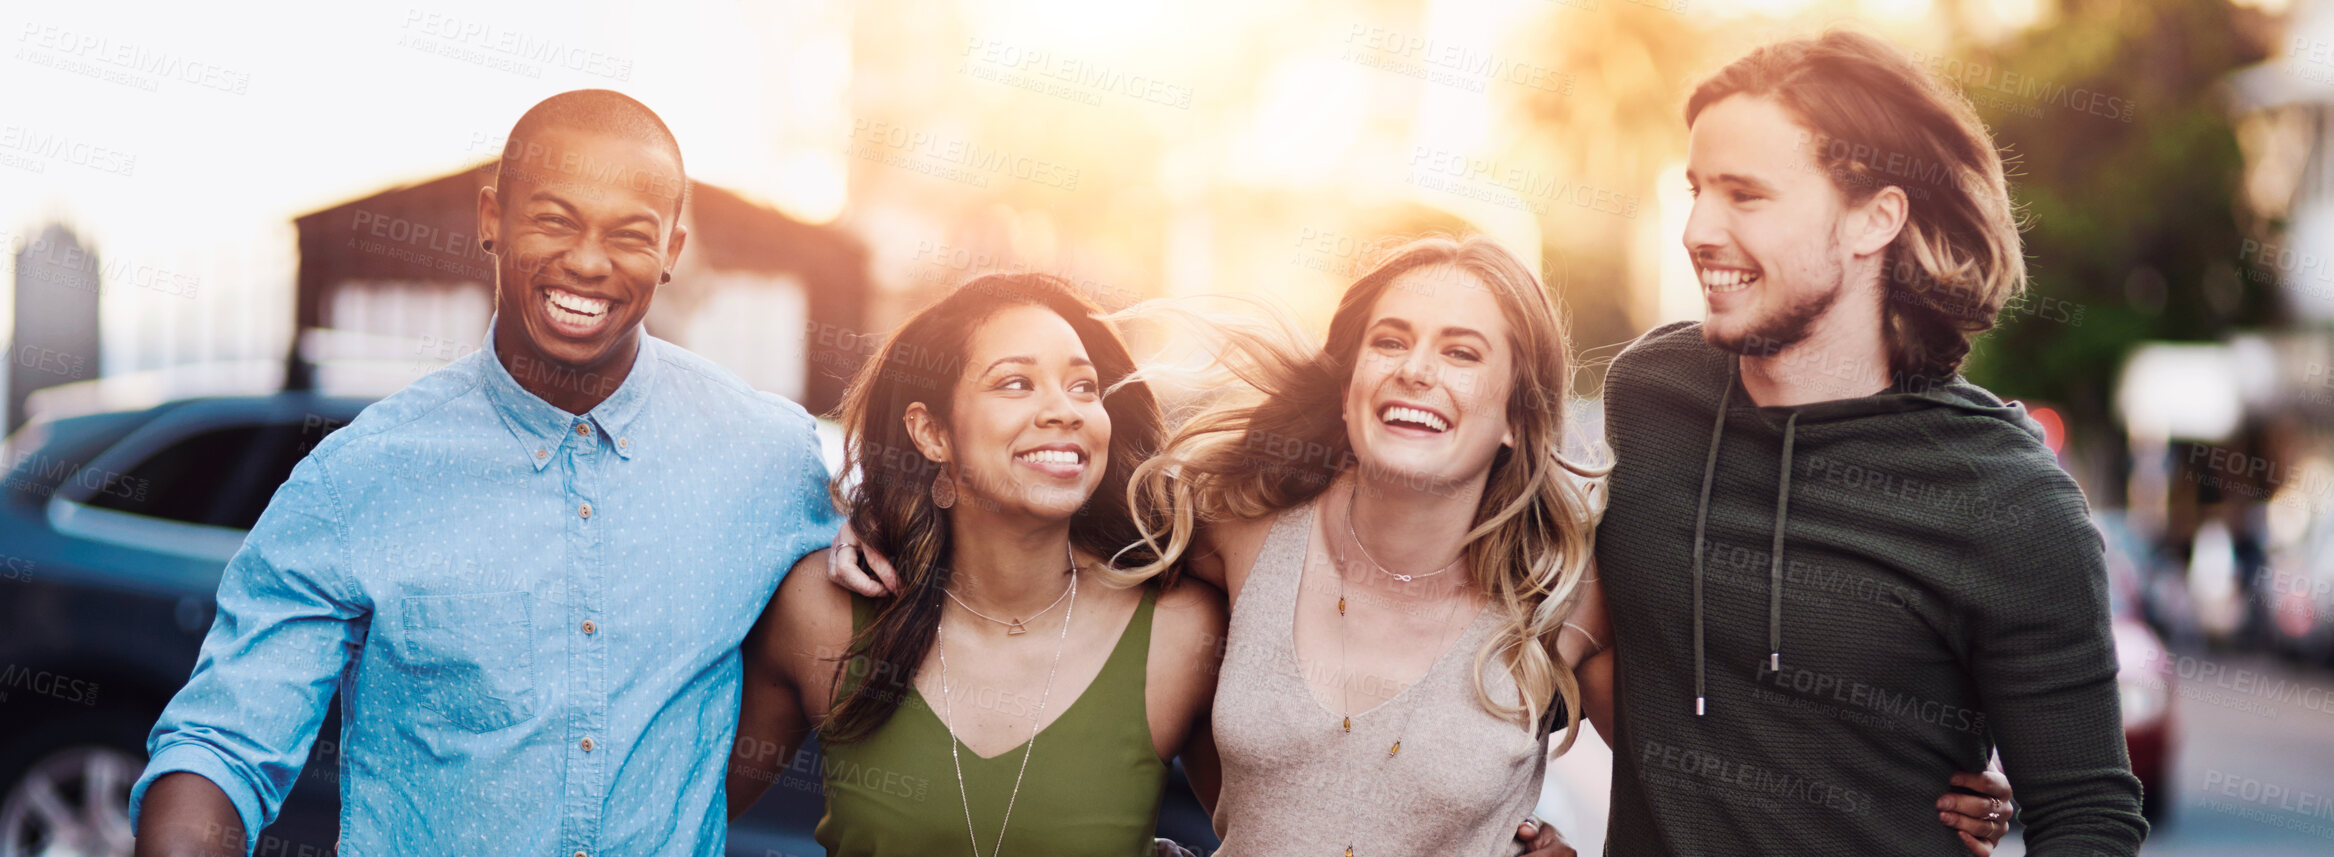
(581, 854)
(584, 510)
(590, 628)
(542, 453)
(582, 430)
(623, 443)
(588, 745)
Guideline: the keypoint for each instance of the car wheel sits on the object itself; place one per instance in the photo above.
(70, 794)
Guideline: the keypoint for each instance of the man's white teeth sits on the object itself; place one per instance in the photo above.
(575, 303)
(1050, 456)
(1399, 414)
(1728, 279)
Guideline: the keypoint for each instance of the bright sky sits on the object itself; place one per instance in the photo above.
(177, 135)
(217, 121)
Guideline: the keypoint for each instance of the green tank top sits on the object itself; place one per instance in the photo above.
(1093, 787)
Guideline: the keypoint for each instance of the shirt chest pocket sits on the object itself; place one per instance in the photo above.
(472, 657)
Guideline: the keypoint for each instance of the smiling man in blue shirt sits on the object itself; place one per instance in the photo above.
(527, 574)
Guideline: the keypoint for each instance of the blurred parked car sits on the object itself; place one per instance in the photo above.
(114, 529)
(2145, 676)
(2298, 586)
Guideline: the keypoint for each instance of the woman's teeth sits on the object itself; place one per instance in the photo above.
(560, 300)
(1049, 456)
(1728, 279)
(1413, 416)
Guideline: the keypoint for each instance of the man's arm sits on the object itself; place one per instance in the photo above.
(1596, 693)
(2044, 661)
(771, 723)
(231, 743)
(188, 816)
(790, 659)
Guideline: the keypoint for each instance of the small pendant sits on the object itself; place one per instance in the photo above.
(1017, 629)
(1349, 851)
(1349, 724)
(1402, 577)
(1396, 750)
(1341, 605)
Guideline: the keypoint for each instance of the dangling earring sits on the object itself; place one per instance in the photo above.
(943, 489)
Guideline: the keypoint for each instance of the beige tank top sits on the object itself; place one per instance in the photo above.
(1295, 783)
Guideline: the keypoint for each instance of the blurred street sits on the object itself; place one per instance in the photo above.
(2255, 774)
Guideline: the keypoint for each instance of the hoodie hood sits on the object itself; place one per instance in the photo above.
(1905, 399)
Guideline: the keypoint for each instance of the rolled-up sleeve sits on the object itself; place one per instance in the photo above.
(288, 619)
(810, 517)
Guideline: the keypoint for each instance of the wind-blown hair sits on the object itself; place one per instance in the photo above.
(1272, 440)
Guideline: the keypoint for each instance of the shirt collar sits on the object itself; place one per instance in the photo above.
(541, 429)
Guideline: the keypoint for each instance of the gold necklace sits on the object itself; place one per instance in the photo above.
(1365, 549)
(1028, 748)
(1019, 626)
(1344, 664)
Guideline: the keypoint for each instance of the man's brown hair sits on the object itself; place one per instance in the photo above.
(1875, 119)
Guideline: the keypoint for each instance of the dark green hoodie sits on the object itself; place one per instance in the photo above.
(1822, 612)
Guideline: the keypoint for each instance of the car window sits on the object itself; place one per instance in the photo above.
(182, 481)
(222, 477)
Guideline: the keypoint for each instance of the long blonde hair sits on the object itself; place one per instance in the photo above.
(1274, 440)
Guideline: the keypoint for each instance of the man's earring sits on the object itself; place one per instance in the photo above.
(943, 489)
(487, 245)
(667, 278)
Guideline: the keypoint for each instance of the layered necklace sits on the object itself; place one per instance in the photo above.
(1028, 748)
(1344, 664)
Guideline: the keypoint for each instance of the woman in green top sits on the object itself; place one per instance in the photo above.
(1007, 694)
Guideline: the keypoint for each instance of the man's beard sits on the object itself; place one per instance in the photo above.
(1786, 327)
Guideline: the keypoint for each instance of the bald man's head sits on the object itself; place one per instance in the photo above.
(584, 223)
(531, 154)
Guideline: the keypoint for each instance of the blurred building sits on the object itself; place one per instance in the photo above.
(55, 340)
(394, 284)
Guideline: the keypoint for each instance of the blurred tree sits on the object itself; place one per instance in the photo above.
(1617, 125)
(2133, 208)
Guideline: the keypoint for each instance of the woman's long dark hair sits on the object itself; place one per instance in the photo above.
(891, 503)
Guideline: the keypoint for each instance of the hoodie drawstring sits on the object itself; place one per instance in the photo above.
(1701, 523)
(1775, 552)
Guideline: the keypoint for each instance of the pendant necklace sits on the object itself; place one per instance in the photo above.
(1028, 748)
(1345, 670)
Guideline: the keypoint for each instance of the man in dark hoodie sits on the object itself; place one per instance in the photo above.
(1837, 572)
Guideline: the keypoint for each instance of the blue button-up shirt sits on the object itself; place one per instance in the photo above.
(532, 617)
